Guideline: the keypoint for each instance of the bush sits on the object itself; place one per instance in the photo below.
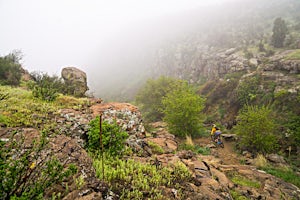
(112, 136)
(149, 97)
(256, 126)
(182, 109)
(45, 87)
(247, 90)
(26, 173)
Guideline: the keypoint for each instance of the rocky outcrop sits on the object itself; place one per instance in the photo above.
(282, 62)
(208, 63)
(126, 115)
(203, 62)
(76, 80)
(75, 123)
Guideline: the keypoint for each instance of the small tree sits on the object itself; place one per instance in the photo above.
(182, 109)
(150, 97)
(256, 128)
(279, 32)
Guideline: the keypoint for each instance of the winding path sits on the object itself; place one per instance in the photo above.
(226, 154)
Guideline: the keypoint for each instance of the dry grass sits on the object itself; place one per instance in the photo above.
(260, 161)
(189, 140)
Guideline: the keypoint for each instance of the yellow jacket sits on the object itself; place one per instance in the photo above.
(213, 130)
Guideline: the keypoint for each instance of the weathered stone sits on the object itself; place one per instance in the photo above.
(75, 78)
(185, 154)
(229, 137)
(275, 158)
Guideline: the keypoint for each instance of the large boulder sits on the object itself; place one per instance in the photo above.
(76, 80)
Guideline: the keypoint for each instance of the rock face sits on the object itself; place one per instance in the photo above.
(211, 64)
(204, 62)
(76, 79)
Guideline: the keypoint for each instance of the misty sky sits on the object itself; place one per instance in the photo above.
(53, 34)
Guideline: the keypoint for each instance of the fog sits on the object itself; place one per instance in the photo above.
(106, 39)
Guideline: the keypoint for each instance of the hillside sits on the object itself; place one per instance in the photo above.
(155, 165)
(179, 42)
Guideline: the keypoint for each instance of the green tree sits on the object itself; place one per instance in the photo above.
(182, 109)
(10, 69)
(149, 97)
(255, 127)
(279, 32)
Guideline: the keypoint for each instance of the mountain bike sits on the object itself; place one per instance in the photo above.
(217, 140)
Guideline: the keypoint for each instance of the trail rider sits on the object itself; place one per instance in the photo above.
(215, 133)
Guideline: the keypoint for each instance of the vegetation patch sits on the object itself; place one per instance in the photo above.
(256, 128)
(295, 55)
(194, 148)
(237, 196)
(243, 181)
(19, 108)
(27, 173)
(155, 148)
(287, 175)
(130, 179)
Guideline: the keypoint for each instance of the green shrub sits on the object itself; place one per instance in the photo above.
(149, 97)
(182, 109)
(248, 90)
(256, 127)
(203, 150)
(194, 148)
(45, 87)
(112, 136)
(156, 149)
(26, 173)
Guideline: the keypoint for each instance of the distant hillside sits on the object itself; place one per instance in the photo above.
(160, 47)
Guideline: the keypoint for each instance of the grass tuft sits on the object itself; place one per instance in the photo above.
(260, 161)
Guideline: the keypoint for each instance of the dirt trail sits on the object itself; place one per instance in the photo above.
(226, 154)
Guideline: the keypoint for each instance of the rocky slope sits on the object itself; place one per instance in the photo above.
(211, 177)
